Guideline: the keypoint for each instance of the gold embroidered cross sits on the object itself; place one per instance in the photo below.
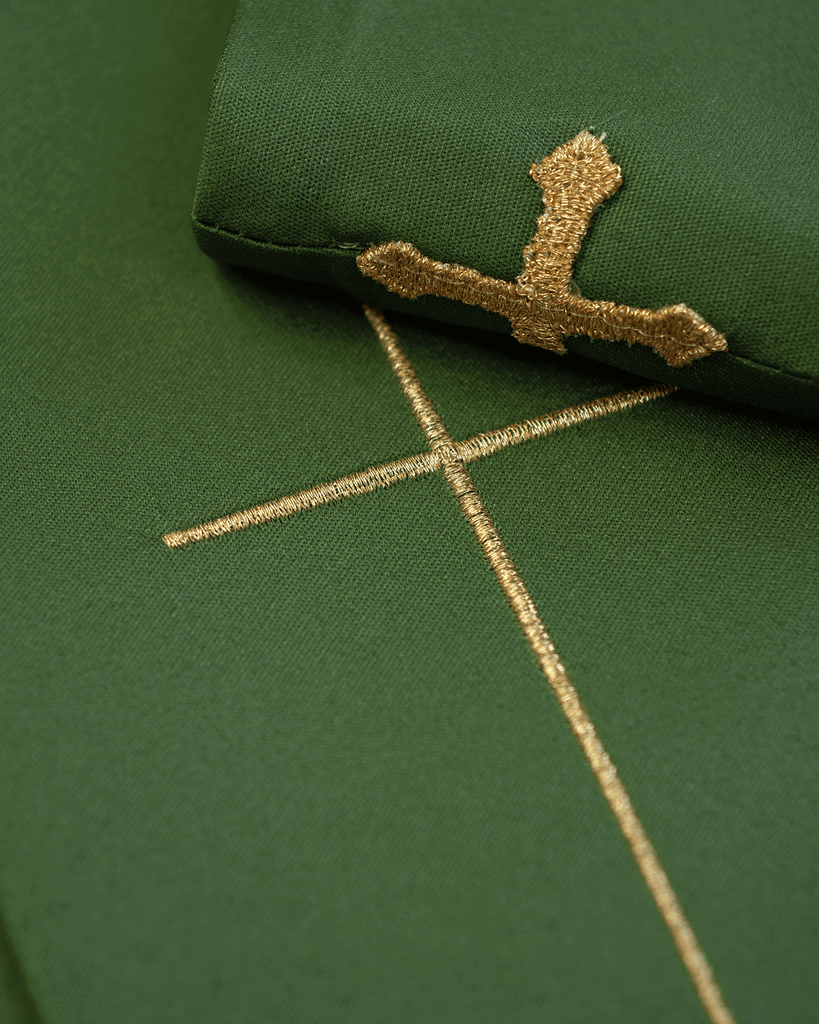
(450, 457)
(541, 304)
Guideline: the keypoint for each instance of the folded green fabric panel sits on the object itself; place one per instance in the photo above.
(335, 126)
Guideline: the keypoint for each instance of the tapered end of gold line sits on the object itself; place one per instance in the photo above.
(181, 538)
(400, 267)
(685, 336)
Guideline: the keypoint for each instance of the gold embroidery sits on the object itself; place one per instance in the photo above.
(542, 426)
(344, 487)
(541, 304)
(449, 455)
(390, 473)
(581, 725)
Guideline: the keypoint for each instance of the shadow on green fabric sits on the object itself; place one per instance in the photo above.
(17, 1004)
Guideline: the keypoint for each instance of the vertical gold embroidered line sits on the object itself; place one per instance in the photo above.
(581, 725)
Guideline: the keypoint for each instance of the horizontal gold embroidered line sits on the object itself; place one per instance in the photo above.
(581, 725)
(344, 487)
(527, 430)
(390, 473)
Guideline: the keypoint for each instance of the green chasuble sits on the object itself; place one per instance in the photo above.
(327, 767)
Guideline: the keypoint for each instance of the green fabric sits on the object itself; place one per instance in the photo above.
(311, 771)
(334, 126)
(17, 1004)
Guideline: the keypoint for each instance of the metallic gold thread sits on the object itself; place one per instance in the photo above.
(581, 725)
(390, 473)
(344, 487)
(494, 441)
(541, 304)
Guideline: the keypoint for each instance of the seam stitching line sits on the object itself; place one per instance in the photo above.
(581, 725)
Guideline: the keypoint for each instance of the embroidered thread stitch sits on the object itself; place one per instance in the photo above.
(390, 473)
(541, 304)
(581, 725)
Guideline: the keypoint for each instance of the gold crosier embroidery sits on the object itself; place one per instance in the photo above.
(540, 304)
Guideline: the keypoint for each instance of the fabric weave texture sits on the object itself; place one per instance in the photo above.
(311, 771)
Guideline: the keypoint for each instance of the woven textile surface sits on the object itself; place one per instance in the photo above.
(311, 771)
